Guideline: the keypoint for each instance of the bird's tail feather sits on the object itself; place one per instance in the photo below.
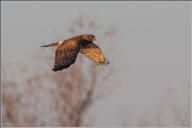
(51, 45)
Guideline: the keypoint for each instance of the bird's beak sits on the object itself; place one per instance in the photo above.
(94, 39)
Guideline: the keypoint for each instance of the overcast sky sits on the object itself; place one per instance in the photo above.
(152, 54)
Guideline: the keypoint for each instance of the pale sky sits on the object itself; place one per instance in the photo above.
(152, 54)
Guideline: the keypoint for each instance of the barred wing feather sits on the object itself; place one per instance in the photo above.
(93, 52)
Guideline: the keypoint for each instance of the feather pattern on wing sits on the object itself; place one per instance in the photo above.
(93, 52)
(66, 54)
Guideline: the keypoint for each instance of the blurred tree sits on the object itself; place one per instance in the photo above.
(46, 98)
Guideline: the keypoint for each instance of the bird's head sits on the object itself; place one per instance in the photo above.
(89, 37)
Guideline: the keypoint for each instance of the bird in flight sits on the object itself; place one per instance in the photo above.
(67, 51)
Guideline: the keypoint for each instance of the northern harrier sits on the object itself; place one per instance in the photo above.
(67, 51)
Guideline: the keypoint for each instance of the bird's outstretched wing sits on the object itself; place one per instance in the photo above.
(65, 55)
(93, 52)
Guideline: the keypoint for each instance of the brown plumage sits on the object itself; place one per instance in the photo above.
(67, 51)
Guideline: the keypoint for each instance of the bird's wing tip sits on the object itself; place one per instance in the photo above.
(54, 69)
(107, 62)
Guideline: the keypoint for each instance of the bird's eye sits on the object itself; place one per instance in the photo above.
(93, 38)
